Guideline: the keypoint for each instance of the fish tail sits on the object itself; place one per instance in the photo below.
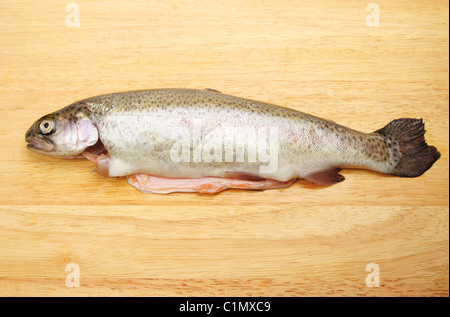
(416, 155)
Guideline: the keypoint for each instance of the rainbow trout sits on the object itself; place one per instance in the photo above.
(168, 140)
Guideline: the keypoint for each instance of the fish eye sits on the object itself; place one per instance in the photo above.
(46, 126)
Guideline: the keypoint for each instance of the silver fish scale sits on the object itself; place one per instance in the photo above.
(138, 128)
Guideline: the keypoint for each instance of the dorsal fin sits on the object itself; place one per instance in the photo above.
(212, 90)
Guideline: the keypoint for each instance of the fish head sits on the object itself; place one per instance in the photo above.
(62, 134)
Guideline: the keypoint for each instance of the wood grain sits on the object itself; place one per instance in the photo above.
(320, 58)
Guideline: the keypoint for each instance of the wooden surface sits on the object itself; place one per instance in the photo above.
(318, 57)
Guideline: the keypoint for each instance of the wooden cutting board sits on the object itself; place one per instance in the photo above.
(61, 224)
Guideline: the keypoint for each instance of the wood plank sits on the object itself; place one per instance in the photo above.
(319, 58)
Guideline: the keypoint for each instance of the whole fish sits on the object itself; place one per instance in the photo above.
(167, 140)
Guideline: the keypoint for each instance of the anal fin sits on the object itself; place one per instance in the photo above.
(327, 177)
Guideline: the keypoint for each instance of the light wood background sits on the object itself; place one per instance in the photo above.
(318, 57)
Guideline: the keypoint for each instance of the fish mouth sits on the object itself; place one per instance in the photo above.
(38, 144)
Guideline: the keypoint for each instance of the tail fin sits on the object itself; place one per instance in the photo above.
(417, 155)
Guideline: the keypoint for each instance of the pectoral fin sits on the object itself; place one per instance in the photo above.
(326, 178)
(101, 161)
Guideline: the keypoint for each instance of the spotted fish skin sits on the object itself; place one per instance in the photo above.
(136, 129)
